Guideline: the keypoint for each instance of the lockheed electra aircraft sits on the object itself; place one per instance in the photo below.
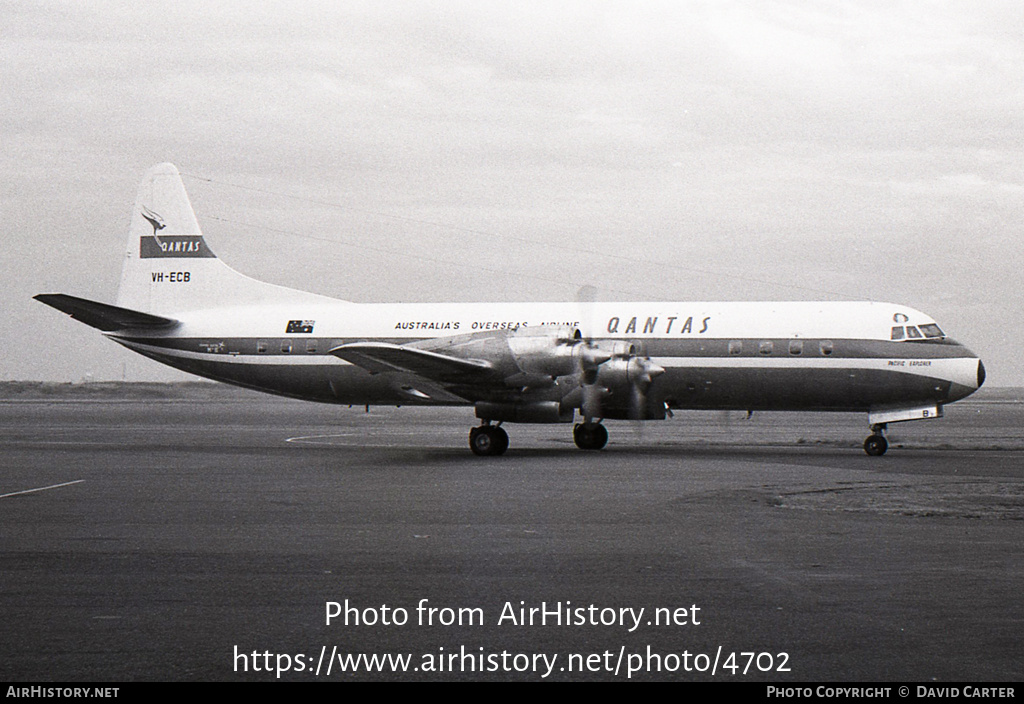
(517, 362)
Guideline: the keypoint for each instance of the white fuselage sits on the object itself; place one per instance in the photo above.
(764, 355)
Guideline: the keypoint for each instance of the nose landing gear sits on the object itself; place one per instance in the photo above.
(876, 444)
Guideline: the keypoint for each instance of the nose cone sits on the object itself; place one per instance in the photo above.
(968, 380)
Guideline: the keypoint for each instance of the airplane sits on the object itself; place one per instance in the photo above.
(179, 304)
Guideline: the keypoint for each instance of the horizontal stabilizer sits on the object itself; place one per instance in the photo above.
(103, 316)
(376, 357)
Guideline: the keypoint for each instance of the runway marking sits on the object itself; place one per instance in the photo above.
(348, 434)
(42, 488)
(363, 439)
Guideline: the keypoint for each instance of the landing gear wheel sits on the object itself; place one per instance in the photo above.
(876, 445)
(488, 440)
(502, 440)
(590, 436)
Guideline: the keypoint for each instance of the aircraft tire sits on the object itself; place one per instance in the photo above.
(502, 437)
(488, 441)
(590, 436)
(876, 445)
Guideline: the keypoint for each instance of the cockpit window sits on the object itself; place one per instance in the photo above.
(930, 331)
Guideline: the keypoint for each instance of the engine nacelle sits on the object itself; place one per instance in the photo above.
(549, 350)
(533, 412)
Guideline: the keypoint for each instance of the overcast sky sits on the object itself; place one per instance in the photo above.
(431, 151)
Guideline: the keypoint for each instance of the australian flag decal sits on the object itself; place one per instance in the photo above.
(300, 326)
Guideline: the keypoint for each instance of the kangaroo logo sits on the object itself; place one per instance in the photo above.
(154, 219)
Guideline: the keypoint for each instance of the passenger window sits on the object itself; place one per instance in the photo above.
(912, 332)
(311, 347)
(897, 332)
(826, 347)
(766, 347)
(796, 347)
(735, 347)
(286, 346)
(261, 347)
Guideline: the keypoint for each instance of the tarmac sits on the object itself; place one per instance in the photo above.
(257, 539)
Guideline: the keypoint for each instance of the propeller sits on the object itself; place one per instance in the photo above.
(591, 357)
(640, 372)
(607, 366)
(586, 296)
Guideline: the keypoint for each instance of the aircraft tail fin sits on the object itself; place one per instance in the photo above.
(169, 268)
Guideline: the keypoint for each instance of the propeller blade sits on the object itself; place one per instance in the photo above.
(586, 296)
(591, 405)
(641, 373)
(637, 403)
(591, 357)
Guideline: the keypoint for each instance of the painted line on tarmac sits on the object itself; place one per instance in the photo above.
(42, 488)
(398, 440)
(356, 439)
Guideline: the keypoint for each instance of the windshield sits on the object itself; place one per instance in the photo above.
(928, 331)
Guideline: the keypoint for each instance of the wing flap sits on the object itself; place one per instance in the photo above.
(103, 316)
(377, 357)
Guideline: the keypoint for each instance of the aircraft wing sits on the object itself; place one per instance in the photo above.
(377, 357)
(102, 315)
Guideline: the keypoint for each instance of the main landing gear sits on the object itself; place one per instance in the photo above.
(491, 440)
(590, 436)
(876, 443)
(488, 440)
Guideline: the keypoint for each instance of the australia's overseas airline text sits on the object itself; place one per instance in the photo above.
(474, 325)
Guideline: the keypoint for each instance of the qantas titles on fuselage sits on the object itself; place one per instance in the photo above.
(179, 304)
